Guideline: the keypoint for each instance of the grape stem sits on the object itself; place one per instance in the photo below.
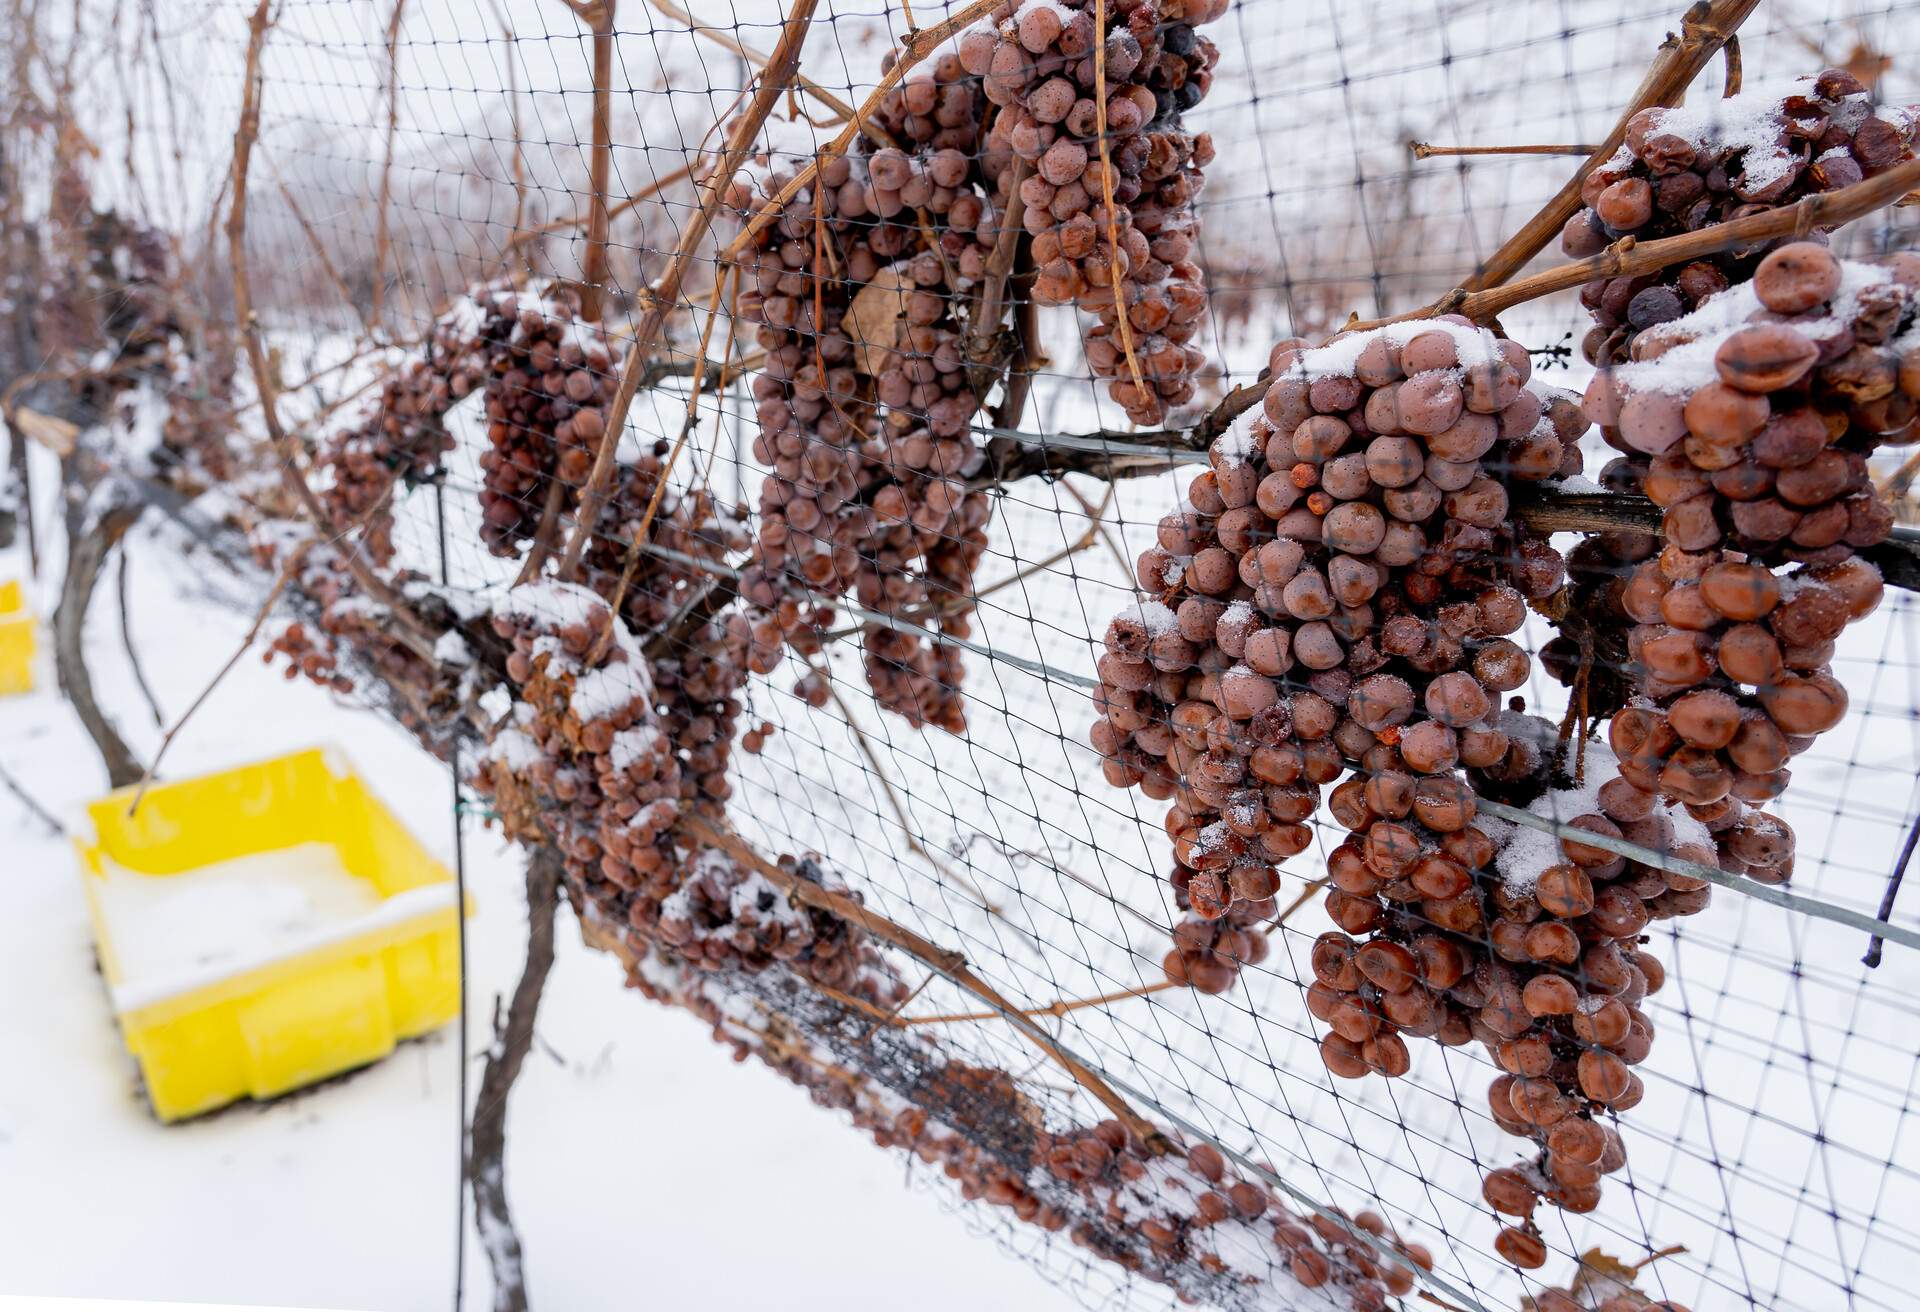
(1627, 258)
(1119, 288)
(1422, 150)
(1705, 28)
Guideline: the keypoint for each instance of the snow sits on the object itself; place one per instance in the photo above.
(464, 602)
(452, 649)
(1236, 446)
(1153, 616)
(466, 318)
(1525, 851)
(1058, 10)
(1337, 358)
(1685, 367)
(215, 915)
(1749, 122)
(551, 604)
(1212, 838)
(756, 896)
(415, 904)
(631, 745)
(514, 749)
(599, 693)
(496, 702)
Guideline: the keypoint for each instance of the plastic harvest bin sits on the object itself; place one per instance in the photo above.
(16, 640)
(340, 995)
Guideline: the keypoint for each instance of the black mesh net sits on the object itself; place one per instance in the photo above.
(887, 473)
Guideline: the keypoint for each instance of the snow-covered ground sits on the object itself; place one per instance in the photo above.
(645, 1168)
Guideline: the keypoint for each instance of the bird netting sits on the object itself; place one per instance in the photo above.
(1047, 569)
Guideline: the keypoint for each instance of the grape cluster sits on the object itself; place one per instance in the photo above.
(1532, 946)
(865, 418)
(348, 622)
(1525, 943)
(1337, 593)
(1757, 412)
(316, 660)
(108, 284)
(1337, 588)
(1037, 62)
(404, 434)
(99, 301)
(1177, 1216)
(865, 421)
(195, 443)
(1193, 1206)
(660, 588)
(1685, 169)
(1733, 663)
(550, 377)
(606, 748)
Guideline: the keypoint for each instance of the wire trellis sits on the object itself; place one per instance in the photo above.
(415, 159)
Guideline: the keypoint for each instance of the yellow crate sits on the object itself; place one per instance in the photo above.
(281, 1013)
(17, 640)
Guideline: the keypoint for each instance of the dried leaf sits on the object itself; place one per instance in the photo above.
(1867, 64)
(1604, 1276)
(56, 434)
(872, 322)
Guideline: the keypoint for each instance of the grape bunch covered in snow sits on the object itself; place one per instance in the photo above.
(1685, 169)
(352, 631)
(1307, 623)
(601, 760)
(1758, 412)
(1337, 590)
(1337, 594)
(1195, 1206)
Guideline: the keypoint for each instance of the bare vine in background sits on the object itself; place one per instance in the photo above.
(91, 538)
(664, 296)
(598, 15)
